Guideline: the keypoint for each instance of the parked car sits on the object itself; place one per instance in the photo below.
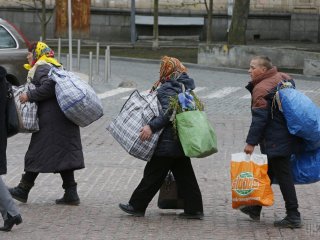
(13, 52)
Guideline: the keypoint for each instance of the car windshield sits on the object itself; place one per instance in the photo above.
(6, 40)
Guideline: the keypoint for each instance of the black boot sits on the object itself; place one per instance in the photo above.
(252, 211)
(70, 196)
(292, 220)
(8, 224)
(21, 191)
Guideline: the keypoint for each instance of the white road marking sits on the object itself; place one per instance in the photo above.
(247, 96)
(198, 89)
(142, 93)
(222, 92)
(114, 92)
(216, 94)
(306, 91)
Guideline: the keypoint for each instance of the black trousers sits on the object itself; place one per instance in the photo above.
(154, 174)
(67, 178)
(279, 167)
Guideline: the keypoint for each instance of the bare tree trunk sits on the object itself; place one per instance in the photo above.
(237, 33)
(80, 18)
(155, 43)
(61, 18)
(209, 23)
(43, 20)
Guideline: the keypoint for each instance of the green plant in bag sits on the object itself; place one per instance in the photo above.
(175, 108)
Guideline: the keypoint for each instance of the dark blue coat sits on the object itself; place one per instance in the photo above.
(269, 129)
(169, 144)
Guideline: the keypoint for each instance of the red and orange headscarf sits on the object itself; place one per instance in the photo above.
(170, 69)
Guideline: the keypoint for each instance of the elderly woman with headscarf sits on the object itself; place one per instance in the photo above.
(56, 147)
(169, 154)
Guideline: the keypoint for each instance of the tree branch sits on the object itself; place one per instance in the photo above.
(54, 8)
(206, 4)
(24, 4)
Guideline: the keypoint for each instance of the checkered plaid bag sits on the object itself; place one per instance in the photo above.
(27, 112)
(137, 111)
(77, 100)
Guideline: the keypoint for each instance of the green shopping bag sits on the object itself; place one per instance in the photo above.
(196, 134)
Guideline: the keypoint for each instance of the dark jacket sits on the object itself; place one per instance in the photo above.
(3, 125)
(57, 146)
(169, 144)
(269, 127)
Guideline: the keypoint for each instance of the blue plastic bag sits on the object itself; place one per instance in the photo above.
(302, 115)
(306, 167)
(186, 101)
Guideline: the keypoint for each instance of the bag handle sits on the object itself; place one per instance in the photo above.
(9, 90)
(183, 88)
(169, 178)
(174, 113)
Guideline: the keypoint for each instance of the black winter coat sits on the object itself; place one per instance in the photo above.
(169, 144)
(3, 125)
(57, 146)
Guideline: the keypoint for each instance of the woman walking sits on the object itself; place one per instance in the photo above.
(169, 154)
(8, 209)
(56, 147)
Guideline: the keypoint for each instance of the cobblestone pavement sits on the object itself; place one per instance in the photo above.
(111, 174)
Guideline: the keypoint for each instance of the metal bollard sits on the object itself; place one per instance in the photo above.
(109, 60)
(106, 79)
(78, 54)
(90, 68)
(68, 61)
(59, 49)
(107, 64)
(97, 57)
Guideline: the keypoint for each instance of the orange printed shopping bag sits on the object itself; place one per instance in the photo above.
(250, 183)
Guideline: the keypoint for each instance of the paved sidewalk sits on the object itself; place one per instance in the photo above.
(111, 175)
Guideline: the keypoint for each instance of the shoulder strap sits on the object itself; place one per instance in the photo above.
(183, 87)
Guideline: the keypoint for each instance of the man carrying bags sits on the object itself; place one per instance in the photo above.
(269, 129)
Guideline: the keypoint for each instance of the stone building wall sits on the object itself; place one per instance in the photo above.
(296, 20)
(220, 6)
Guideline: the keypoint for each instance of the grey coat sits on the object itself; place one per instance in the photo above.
(57, 146)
